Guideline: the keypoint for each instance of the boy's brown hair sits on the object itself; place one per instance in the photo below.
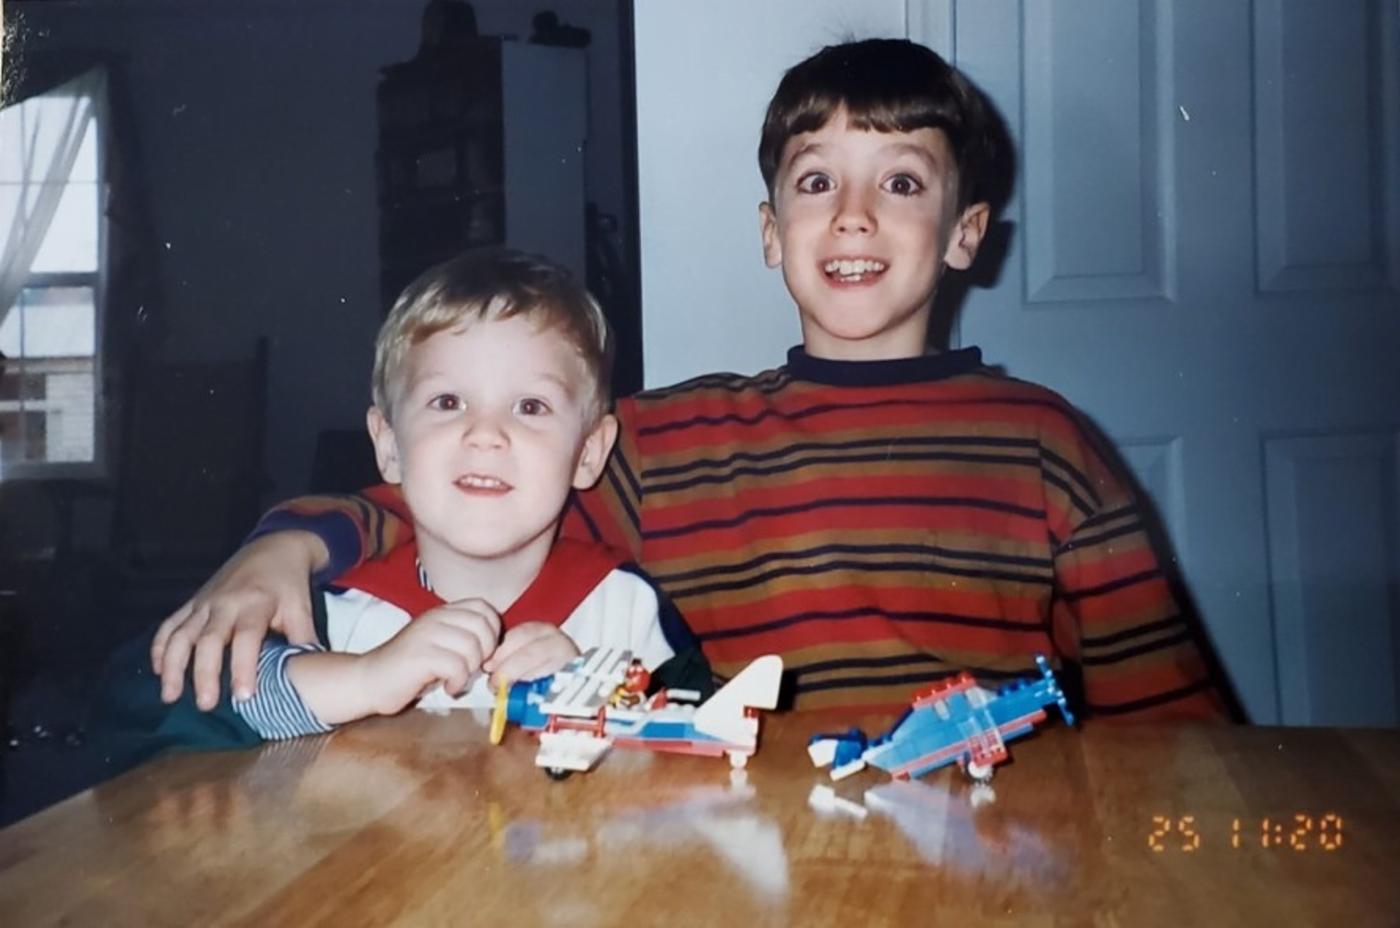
(888, 85)
(487, 285)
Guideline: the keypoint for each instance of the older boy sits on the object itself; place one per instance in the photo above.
(490, 404)
(880, 516)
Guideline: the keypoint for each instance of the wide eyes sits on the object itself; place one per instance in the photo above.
(904, 185)
(532, 406)
(901, 184)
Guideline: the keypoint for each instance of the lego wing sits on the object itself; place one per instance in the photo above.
(722, 715)
(584, 685)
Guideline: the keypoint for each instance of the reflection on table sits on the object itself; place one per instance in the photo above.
(417, 819)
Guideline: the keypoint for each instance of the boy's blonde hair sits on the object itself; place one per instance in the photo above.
(493, 284)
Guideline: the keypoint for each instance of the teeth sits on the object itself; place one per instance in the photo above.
(482, 483)
(847, 267)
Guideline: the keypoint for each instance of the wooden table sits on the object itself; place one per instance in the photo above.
(417, 820)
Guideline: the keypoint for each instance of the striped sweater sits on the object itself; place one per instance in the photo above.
(880, 525)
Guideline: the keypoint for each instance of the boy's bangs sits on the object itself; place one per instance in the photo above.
(882, 113)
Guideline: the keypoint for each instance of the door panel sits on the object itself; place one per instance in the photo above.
(1205, 257)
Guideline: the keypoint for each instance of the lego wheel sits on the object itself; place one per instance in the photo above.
(978, 773)
(557, 773)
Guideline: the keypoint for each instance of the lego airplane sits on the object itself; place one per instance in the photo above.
(954, 720)
(597, 702)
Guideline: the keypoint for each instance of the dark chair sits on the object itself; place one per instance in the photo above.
(343, 462)
(190, 474)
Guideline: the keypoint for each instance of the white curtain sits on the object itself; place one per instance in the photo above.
(39, 140)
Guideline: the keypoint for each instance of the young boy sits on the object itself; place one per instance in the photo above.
(491, 403)
(879, 515)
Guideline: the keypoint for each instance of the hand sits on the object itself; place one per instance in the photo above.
(446, 645)
(264, 585)
(529, 651)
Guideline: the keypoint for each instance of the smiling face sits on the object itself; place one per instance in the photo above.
(861, 223)
(490, 426)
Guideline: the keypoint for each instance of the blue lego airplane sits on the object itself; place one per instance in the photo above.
(955, 720)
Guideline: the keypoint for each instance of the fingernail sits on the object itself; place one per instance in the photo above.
(242, 694)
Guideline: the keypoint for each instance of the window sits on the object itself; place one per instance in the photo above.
(51, 225)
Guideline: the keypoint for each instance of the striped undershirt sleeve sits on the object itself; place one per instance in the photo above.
(276, 710)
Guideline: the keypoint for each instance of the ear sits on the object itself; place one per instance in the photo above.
(768, 229)
(386, 446)
(597, 445)
(966, 236)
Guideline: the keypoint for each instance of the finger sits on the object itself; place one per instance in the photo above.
(524, 666)
(454, 669)
(483, 610)
(454, 637)
(293, 618)
(543, 658)
(243, 658)
(473, 623)
(166, 629)
(516, 639)
(178, 647)
(209, 659)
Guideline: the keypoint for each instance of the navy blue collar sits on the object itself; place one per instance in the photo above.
(941, 366)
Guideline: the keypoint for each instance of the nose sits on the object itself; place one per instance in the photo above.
(484, 430)
(854, 215)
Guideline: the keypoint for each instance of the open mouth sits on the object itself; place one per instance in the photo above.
(483, 484)
(853, 270)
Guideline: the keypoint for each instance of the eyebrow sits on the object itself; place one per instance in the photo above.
(910, 148)
(427, 377)
(562, 383)
(808, 149)
(898, 148)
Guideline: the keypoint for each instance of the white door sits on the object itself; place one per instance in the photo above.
(1205, 257)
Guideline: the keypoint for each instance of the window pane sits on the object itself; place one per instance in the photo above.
(47, 411)
(85, 167)
(10, 333)
(71, 242)
(51, 322)
(21, 436)
(11, 149)
(32, 132)
(69, 429)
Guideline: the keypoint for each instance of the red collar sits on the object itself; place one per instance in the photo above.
(572, 570)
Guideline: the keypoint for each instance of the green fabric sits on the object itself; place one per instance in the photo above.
(687, 670)
(129, 724)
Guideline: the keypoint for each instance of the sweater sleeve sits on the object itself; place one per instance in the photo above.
(355, 528)
(1141, 655)
(129, 723)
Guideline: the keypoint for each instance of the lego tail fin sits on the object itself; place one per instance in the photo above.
(722, 715)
